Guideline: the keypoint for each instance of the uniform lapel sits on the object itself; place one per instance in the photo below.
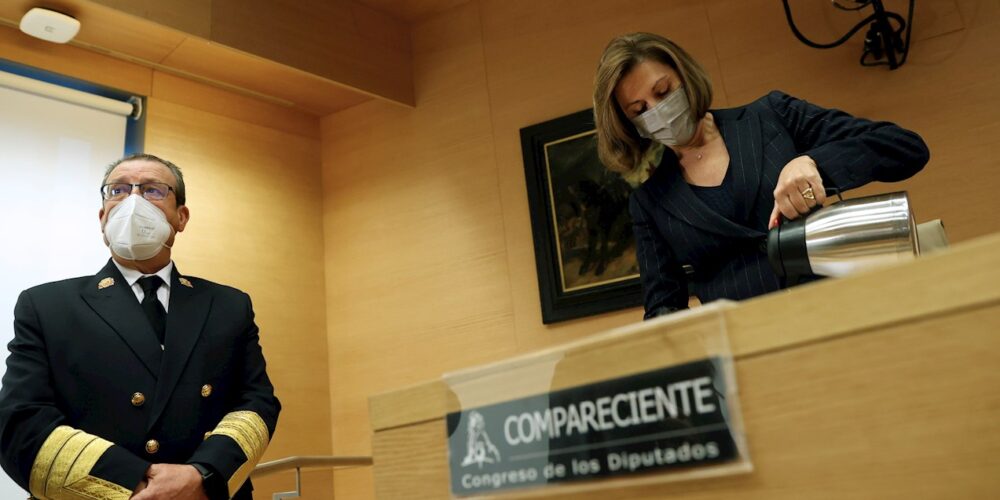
(186, 317)
(109, 295)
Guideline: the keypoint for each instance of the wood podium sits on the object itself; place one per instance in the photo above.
(883, 385)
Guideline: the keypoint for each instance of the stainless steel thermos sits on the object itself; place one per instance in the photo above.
(845, 237)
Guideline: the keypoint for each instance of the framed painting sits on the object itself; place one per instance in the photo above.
(582, 231)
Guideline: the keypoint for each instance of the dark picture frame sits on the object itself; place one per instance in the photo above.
(582, 232)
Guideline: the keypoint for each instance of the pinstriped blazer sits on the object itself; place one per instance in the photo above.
(673, 227)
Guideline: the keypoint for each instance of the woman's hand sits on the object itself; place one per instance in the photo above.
(799, 189)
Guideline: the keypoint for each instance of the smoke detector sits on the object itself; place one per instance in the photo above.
(49, 25)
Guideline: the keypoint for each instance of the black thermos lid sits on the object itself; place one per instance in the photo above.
(786, 249)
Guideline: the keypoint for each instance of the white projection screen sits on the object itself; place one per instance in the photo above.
(52, 158)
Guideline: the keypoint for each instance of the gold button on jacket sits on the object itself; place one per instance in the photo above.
(152, 446)
(206, 390)
(138, 399)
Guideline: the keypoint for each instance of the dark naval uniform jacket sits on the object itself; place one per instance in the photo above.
(674, 228)
(90, 399)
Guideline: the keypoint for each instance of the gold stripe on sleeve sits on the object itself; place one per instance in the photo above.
(46, 457)
(90, 487)
(250, 433)
(61, 470)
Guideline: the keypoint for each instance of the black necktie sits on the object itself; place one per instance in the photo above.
(151, 305)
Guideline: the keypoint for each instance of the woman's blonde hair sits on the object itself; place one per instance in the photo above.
(618, 143)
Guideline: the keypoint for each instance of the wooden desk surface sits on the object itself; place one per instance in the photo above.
(881, 385)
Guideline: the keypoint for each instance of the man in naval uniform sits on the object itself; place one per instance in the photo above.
(137, 382)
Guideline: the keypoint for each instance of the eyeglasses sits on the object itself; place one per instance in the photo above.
(152, 191)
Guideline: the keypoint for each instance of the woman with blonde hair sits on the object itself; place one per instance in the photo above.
(726, 176)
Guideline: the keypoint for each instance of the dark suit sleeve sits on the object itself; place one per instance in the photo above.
(39, 450)
(237, 443)
(664, 285)
(849, 151)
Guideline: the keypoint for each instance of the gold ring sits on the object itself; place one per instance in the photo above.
(807, 193)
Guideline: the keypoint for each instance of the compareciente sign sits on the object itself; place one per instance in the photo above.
(625, 409)
(663, 419)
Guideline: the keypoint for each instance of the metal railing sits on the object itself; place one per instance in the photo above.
(299, 463)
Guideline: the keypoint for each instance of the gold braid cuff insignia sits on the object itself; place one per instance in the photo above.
(61, 470)
(250, 433)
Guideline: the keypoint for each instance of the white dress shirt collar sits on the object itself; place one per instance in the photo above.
(132, 278)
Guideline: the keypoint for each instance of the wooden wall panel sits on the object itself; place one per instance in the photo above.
(75, 62)
(944, 92)
(416, 268)
(215, 100)
(319, 56)
(277, 83)
(189, 16)
(341, 40)
(385, 320)
(412, 11)
(105, 27)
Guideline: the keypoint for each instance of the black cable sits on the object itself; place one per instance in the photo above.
(899, 19)
(881, 28)
(861, 5)
(895, 43)
(876, 63)
(803, 39)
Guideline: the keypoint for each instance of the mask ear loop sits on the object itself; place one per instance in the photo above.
(173, 233)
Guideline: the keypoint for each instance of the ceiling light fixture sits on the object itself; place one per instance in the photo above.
(50, 25)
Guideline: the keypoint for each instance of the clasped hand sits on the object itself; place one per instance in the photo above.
(170, 481)
(799, 189)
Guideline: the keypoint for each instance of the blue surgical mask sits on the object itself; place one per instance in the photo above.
(669, 122)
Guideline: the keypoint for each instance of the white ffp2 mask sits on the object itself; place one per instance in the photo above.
(669, 122)
(136, 229)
